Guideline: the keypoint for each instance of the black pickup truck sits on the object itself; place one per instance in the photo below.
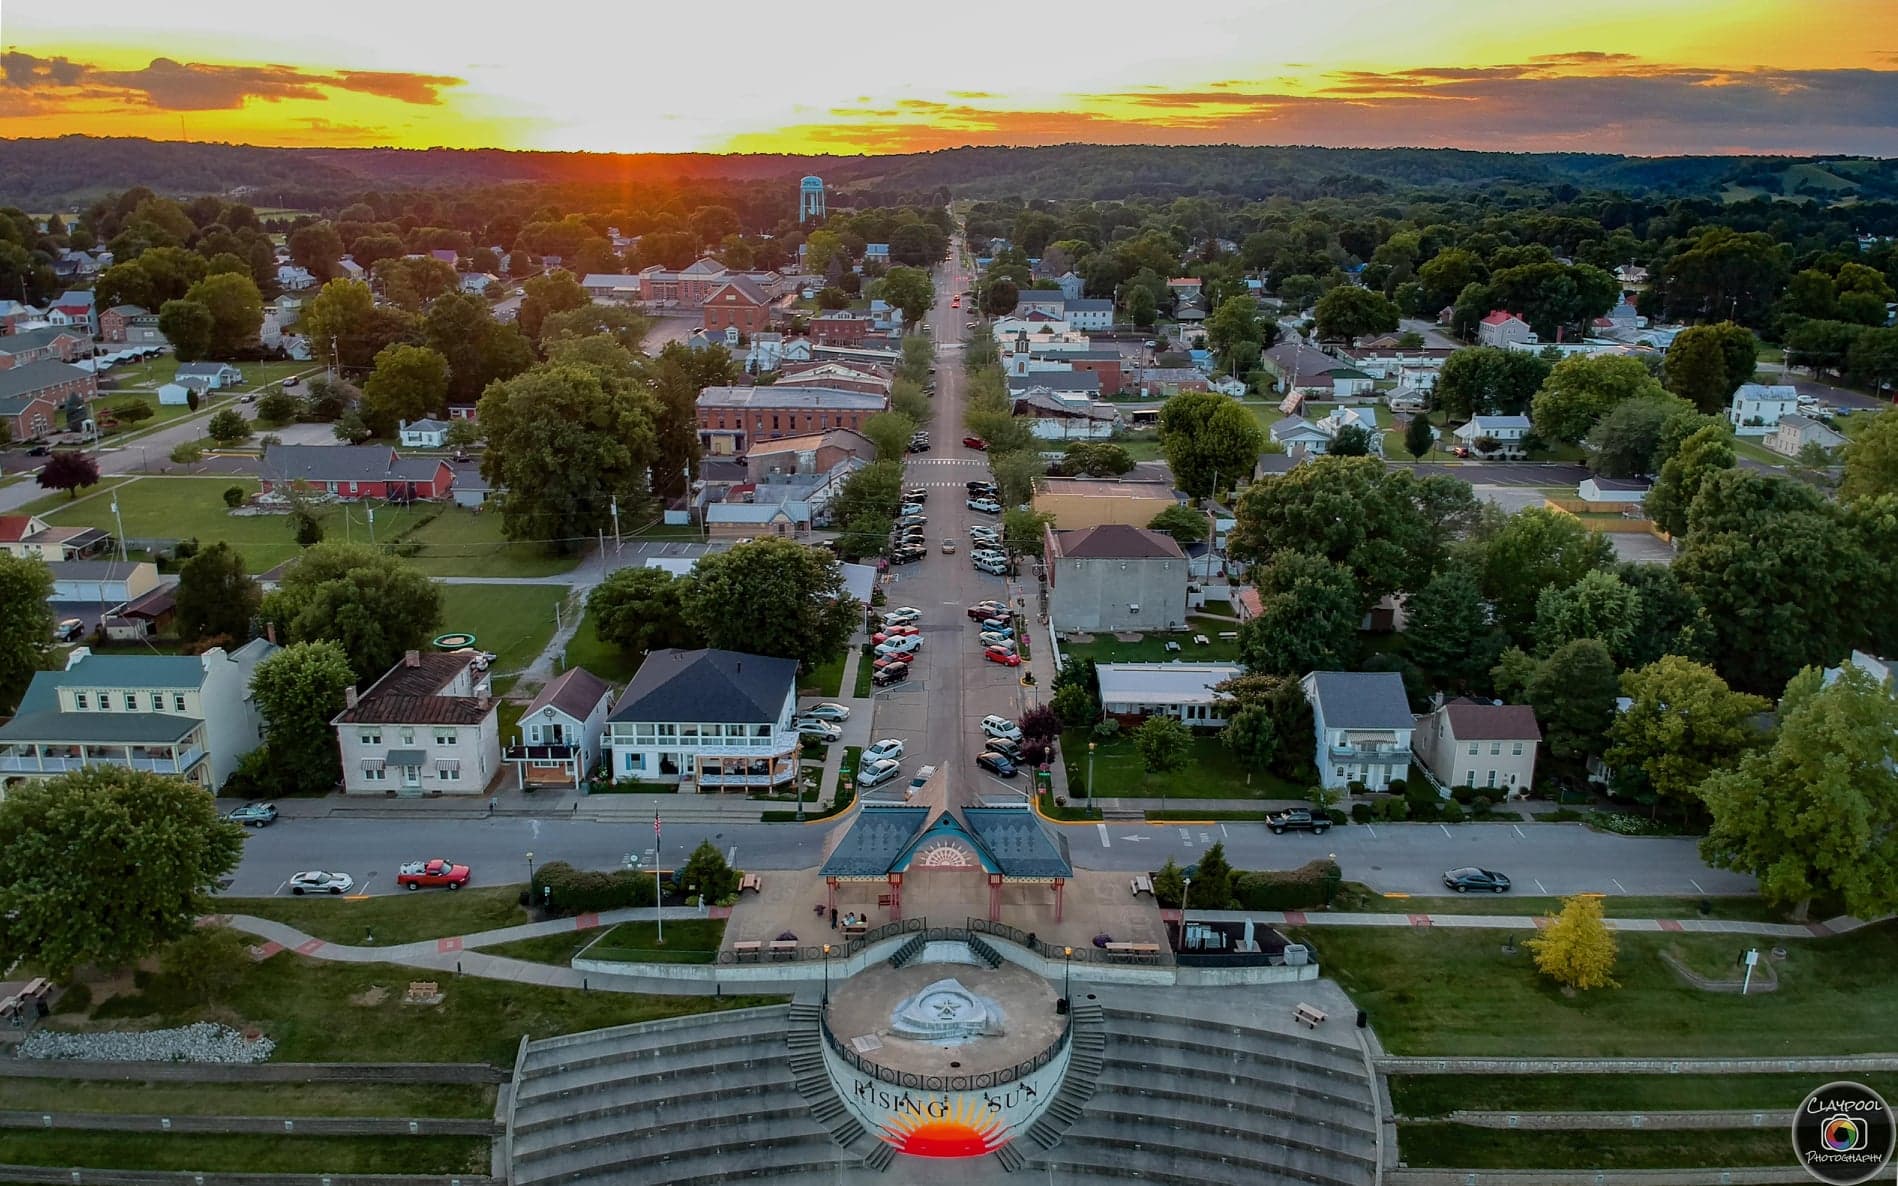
(1298, 818)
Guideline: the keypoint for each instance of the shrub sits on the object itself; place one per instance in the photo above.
(1392, 810)
(1362, 813)
(1562, 815)
(234, 497)
(1625, 824)
(1450, 812)
(185, 549)
(1481, 806)
(1107, 730)
(75, 999)
(1354, 787)
(1420, 794)
(1336, 815)
(1314, 883)
(561, 889)
(1399, 786)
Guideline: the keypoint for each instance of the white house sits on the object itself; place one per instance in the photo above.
(174, 394)
(1795, 432)
(1132, 692)
(208, 376)
(1500, 328)
(559, 739)
(1507, 431)
(717, 719)
(187, 715)
(430, 725)
(348, 269)
(1089, 314)
(1362, 726)
(477, 283)
(1757, 407)
(1317, 436)
(294, 278)
(1472, 744)
(1626, 491)
(423, 434)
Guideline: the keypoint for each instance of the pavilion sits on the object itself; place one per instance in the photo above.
(1006, 844)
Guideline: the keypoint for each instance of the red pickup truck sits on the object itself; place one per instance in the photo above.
(416, 874)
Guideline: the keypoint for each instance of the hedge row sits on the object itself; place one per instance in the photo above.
(562, 889)
(1314, 883)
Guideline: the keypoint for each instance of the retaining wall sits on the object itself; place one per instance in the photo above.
(262, 1072)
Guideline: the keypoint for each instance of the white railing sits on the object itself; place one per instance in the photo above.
(53, 764)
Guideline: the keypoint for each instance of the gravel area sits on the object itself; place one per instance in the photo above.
(202, 1042)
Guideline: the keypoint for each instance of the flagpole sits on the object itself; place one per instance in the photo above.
(658, 896)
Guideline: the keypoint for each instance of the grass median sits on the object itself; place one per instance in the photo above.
(250, 1153)
(1447, 991)
(1461, 1147)
(248, 1099)
(390, 919)
(1424, 1096)
(687, 941)
(1355, 897)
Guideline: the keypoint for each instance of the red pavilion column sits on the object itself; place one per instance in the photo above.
(1057, 898)
(896, 897)
(995, 897)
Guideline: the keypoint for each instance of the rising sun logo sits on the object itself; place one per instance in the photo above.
(951, 1126)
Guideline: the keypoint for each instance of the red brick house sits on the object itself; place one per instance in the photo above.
(53, 343)
(356, 471)
(737, 302)
(1108, 370)
(840, 329)
(31, 396)
(115, 324)
(28, 417)
(732, 419)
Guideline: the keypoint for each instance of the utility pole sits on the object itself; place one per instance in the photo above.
(602, 553)
(616, 540)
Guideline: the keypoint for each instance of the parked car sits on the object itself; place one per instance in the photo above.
(253, 815)
(902, 615)
(1472, 878)
(828, 710)
(980, 486)
(948, 547)
(908, 555)
(990, 638)
(1002, 745)
(289, 383)
(916, 447)
(1002, 655)
(822, 732)
(916, 494)
(878, 772)
(895, 673)
(912, 508)
(996, 764)
(987, 506)
(975, 442)
(998, 626)
(889, 747)
(883, 636)
(1000, 726)
(882, 661)
(316, 881)
(902, 644)
(993, 565)
(986, 609)
(1298, 819)
(68, 630)
(416, 874)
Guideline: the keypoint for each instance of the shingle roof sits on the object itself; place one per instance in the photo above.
(92, 570)
(33, 339)
(774, 396)
(745, 288)
(411, 695)
(574, 692)
(1492, 722)
(1018, 842)
(714, 686)
(20, 382)
(876, 838)
(204, 368)
(1116, 541)
(1362, 699)
(1088, 382)
(330, 463)
(147, 727)
(127, 671)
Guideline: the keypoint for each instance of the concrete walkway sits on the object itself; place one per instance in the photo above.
(1423, 919)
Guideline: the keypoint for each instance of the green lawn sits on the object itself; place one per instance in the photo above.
(248, 1099)
(1751, 449)
(513, 621)
(1213, 773)
(392, 918)
(193, 507)
(1151, 647)
(546, 949)
(1460, 1147)
(461, 542)
(162, 414)
(254, 1154)
(332, 1012)
(1354, 897)
(1438, 1095)
(59, 500)
(611, 663)
(687, 941)
(1449, 991)
(826, 679)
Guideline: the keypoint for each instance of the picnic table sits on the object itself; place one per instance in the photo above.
(752, 882)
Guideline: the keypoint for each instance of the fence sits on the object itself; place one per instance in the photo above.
(267, 1072)
(841, 950)
(1082, 955)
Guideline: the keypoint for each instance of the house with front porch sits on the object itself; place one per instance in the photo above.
(559, 740)
(709, 720)
(430, 726)
(1472, 743)
(1187, 692)
(1506, 431)
(1757, 407)
(191, 716)
(1362, 727)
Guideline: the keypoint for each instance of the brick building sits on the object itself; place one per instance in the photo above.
(732, 418)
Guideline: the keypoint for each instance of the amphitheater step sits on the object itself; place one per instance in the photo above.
(1010, 1158)
(1044, 1134)
(907, 953)
(806, 1061)
(985, 952)
(827, 1110)
(803, 1040)
(814, 1086)
(806, 1013)
(846, 1134)
(880, 1157)
(1082, 1013)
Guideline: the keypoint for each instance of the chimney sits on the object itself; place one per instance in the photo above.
(411, 658)
(270, 633)
(482, 702)
(349, 696)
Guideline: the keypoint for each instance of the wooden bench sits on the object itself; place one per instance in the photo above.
(1309, 1015)
(883, 899)
(1141, 885)
(424, 990)
(781, 948)
(854, 929)
(1228, 636)
(1134, 948)
(746, 947)
(752, 882)
(1200, 640)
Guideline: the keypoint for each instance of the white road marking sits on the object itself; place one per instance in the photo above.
(731, 857)
(1205, 837)
(1539, 888)
(1696, 885)
(1106, 840)
(1371, 830)
(1222, 833)
(1445, 830)
(1619, 886)
(1186, 837)
(1135, 838)
(1518, 828)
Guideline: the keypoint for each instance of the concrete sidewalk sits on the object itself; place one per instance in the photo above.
(1423, 919)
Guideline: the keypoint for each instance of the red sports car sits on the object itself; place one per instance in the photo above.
(416, 874)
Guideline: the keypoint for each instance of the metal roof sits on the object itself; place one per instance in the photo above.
(1018, 842)
(877, 837)
(1163, 683)
(133, 728)
(1362, 699)
(726, 687)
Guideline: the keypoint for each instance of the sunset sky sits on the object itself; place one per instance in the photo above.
(1638, 76)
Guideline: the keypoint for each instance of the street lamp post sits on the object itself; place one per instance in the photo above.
(1089, 789)
(530, 870)
(1186, 890)
(1067, 972)
(826, 975)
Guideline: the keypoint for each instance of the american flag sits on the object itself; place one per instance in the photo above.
(655, 827)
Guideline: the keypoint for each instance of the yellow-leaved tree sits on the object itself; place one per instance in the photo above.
(1577, 950)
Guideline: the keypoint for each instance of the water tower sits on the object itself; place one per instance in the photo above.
(810, 199)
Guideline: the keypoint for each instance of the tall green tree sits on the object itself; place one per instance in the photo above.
(568, 443)
(189, 327)
(368, 602)
(104, 865)
(1573, 693)
(909, 289)
(1682, 724)
(409, 383)
(1308, 620)
(1016, 474)
(1816, 813)
(1871, 458)
(216, 596)
(1233, 324)
(1163, 745)
(26, 620)
(299, 690)
(1186, 525)
(1419, 436)
(1208, 438)
(548, 293)
(1707, 363)
(1350, 312)
(1598, 606)
(237, 312)
(890, 432)
(1625, 441)
(640, 609)
(772, 597)
(1706, 452)
(478, 349)
(1519, 555)
(1447, 630)
(1581, 389)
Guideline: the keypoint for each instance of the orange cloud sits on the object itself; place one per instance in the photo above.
(194, 86)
